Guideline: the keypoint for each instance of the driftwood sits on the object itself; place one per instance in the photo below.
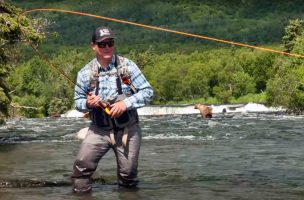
(25, 107)
(206, 111)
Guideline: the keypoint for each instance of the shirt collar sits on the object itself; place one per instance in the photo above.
(109, 67)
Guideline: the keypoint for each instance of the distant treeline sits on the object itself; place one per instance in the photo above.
(214, 76)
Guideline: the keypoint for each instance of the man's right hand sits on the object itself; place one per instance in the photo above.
(93, 101)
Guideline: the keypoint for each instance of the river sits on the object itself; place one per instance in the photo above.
(231, 156)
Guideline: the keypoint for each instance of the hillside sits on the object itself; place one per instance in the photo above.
(255, 22)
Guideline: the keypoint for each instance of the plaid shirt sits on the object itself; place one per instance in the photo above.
(108, 88)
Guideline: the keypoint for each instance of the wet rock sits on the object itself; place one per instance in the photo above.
(20, 183)
(29, 183)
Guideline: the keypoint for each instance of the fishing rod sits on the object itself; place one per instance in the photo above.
(163, 29)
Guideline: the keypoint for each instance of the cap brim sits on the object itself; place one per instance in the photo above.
(103, 38)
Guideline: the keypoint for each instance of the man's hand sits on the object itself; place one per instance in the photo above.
(93, 101)
(117, 109)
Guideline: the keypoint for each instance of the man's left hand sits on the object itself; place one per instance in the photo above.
(117, 109)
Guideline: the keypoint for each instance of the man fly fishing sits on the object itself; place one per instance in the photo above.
(115, 89)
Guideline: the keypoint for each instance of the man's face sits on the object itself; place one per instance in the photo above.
(104, 49)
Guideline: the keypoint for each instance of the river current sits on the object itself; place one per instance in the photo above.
(234, 156)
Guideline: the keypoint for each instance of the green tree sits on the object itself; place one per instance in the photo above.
(233, 82)
(195, 82)
(58, 106)
(281, 88)
(293, 30)
(35, 78)
(13, 29)
(286, 88)
(258, 65)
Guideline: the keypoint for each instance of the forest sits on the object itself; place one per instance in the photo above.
(181, 70)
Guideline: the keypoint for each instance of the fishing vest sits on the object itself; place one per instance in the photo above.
(98, 116)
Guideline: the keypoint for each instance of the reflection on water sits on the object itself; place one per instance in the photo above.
(236, 156)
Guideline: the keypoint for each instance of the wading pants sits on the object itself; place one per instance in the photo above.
(96, 144)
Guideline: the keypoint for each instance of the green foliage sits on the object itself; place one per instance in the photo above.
(224, 95)
(294, 29)
(195, 81)
(4, 90)
(296, 103)
(257, 98)
(4, 102)
(216, 73)
(30, 106)
(13, 29)
(282, 89)
(35, 78)
(286, 88)
(59, 106)
(143, 59)
(298, 46)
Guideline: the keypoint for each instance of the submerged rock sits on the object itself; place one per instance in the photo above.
(2, 122)
(29, 183)
(19, 183)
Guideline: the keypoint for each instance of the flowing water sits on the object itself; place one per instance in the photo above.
(233, 156)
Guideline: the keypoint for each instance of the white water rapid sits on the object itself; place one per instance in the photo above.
(189, 109)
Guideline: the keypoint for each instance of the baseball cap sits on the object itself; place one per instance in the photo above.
(102, 33)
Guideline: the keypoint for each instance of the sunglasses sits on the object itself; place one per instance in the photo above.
(110, 43)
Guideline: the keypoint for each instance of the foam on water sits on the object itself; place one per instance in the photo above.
(168, 136)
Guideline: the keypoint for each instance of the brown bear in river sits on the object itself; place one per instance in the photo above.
(206, 111)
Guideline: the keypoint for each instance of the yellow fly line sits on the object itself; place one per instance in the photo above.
(163, 29)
